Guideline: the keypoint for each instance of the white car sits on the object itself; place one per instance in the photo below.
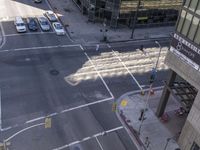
(19, 24)
(58, 28)
(44, 24)
(51, 16)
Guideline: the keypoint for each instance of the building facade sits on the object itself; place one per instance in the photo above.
(183, 59)
(121, 12)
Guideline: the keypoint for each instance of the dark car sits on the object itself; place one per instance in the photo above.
(32, 24)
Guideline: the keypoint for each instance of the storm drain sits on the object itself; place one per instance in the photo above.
(54, 72)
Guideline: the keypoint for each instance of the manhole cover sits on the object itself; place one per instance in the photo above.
(54, 72)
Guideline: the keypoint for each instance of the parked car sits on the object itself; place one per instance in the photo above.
(19, 24)
(58, 28)
(44, 24)
(37, 1)
(51, 16)
(32, 24)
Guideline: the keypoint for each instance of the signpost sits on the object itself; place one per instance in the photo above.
(47, 123)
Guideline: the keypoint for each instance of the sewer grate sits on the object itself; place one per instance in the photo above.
(54, 72)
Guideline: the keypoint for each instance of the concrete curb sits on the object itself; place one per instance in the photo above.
(2, 37)
(131, 131)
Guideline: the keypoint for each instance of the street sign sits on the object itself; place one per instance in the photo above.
(124, 103)
(114, 107)
(47, 123)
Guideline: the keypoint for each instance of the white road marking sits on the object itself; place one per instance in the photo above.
(42, 47)
(126, 68)
(85, 139)
(29, 33)
(88, 138)
(98, 72)
(99, 143)
(35, 119)
(58, 113)
(8, 139)
(85, 105)
(68, 110)
(0, 112)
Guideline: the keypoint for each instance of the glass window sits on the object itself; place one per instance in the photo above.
(187, 2)
(180, 23)
(193, 5)
(197, 37)
(198, 9)
(186, 24)
(193, 28)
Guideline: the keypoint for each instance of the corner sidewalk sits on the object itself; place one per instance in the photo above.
(154, 134)
(82, 31)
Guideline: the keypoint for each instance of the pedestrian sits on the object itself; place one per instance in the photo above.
(147, 142)
(141, 114)
(97, 47)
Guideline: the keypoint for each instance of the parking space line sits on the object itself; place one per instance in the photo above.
(97, 72)
(29, 33)
(99, 143)
(90, 137)
(126, 68)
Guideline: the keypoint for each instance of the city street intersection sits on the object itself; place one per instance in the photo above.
(44, 75)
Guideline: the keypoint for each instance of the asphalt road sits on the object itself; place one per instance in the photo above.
(43, 75)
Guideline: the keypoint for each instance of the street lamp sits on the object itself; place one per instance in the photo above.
(152, 78)
(158, 54)
(135, 18)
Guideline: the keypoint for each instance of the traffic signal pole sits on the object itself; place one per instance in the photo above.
(152, 79)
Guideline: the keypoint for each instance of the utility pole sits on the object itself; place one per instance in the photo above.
(135, 18)
(152, 78)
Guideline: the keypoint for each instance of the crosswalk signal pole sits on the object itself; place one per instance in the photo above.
(151, 81)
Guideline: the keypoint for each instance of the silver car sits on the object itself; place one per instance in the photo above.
(44, 23)
(51, 16)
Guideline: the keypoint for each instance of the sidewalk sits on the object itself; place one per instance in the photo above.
(154, 133)
(82, 31)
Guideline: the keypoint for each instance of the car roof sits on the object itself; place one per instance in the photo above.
(49, 12)
(42, 18)
(57, 23)
(19, 19)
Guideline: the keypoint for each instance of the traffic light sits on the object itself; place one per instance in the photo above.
(141, 47)
(152, 76)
